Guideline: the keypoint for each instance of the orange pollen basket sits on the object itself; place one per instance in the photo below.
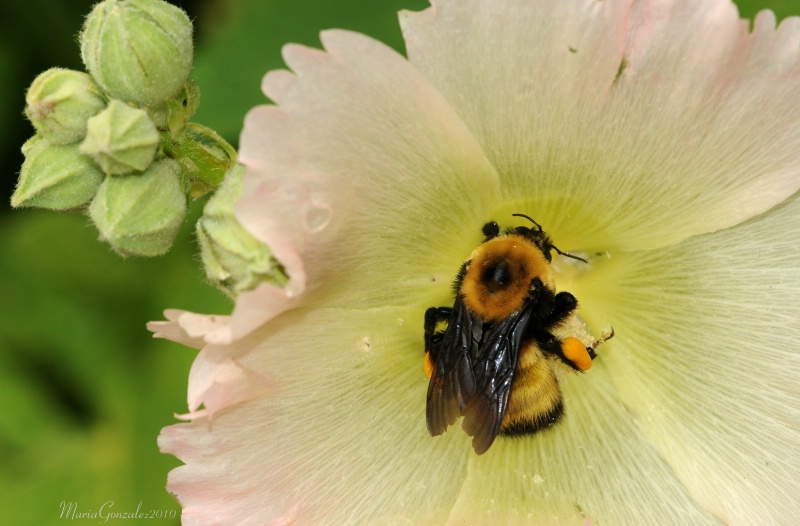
(576, 352)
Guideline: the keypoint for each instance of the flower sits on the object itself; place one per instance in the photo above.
(659, 138)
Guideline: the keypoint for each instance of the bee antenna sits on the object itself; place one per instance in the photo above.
(532, 221)
(567, 254)
(551, 246)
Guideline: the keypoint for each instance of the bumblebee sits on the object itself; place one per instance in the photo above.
(492, 357)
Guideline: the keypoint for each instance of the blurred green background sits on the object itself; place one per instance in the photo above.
(84, 389)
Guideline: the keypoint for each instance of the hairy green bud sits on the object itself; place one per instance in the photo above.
(140, 215)
(60, 101)
(121, 139)
(139, 51)
(234, 260)
(55, 176)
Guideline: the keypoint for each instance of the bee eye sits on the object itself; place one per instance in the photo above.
(497, 276)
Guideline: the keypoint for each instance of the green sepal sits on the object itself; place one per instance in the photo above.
(140, 215)
(204, 156)
(181, 108)
(55, 176)
(121, 139)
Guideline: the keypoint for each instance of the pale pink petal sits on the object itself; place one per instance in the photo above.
(350, 177)
(252, 309)
(216, 381)
(191, 329)
(220, 385)
(643, 122)
(316, 450)
(263, 303)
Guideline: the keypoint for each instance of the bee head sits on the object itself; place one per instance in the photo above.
(499, 274)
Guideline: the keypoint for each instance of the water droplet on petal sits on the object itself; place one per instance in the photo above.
(316, 215)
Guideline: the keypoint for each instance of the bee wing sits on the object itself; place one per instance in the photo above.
(495, 364)
(452, 384)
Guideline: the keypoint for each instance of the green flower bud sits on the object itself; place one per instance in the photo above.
(59, 101)
(140, 215)
(55, 176)
(121, 139)
(139, 51)
(234, 260)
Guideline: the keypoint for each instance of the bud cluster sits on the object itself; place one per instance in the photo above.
(117, 143)
(105, 138)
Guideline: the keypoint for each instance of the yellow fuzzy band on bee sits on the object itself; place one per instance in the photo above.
(535, 394)
(524, 262)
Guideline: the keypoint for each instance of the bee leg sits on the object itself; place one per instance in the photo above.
(574, 350)
(570, 350)
(604, 337)
(564, 304)
(434, 316)
(542, 300)
(548, 343)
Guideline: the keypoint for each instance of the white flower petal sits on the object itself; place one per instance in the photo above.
(370, 188)
(516, 71)
(706, 357)
(340, 440)
(698, 132)
(359, 134)
(594, 466)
